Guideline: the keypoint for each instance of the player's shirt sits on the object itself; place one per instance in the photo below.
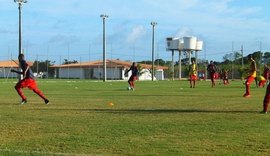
(134, 70)
(29, 73)
(252, 71)
(192, 69)
(211, 68)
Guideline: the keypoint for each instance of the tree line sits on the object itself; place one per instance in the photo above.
(232, 62)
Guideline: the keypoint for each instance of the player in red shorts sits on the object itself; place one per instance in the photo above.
(252, 75)
(266, 99)
(192, 74)
(133, 77)
(211, 68)
(27, 81)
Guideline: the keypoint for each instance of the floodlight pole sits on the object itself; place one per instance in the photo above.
(103, 16)
(20, 3)
(153, 47)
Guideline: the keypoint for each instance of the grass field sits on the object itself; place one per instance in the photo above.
(158, 118)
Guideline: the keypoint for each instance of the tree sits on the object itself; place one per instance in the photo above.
(160, 62)
(266, 57)
(44, 67)
(66, 61)
(257, 56)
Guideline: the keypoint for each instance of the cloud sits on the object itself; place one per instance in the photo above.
(137, 33)
(184, 31)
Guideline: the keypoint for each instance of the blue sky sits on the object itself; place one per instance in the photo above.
(58, 30)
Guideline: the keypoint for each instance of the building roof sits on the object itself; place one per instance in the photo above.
(109, 63)
(12, 64)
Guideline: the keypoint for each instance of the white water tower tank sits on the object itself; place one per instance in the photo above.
(199, 46)
(181, 44)
(172, 43)
(190, 43)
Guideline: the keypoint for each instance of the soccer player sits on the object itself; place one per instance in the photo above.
(211, 68)
(27, 81)
(266, 99)
(192, 74)
(225, 77)
(251, 75)
(133, 77)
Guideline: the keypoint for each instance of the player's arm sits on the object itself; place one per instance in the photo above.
(128, 70)
(15, 71)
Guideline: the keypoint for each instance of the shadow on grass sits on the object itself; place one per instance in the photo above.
(150, 111)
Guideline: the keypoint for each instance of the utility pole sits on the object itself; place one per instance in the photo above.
(20, 3)
(104, 17)
(153, 47)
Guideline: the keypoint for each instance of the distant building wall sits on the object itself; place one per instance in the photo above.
(5, 73)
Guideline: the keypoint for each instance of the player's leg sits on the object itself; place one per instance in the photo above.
(263, 83)
(129, 82)
(249, 80)
(18, 87)
(194, 78)
(132, 82)
(212, 79)
(266, 100)
(190, 81)
(33, 86)
(247, 84)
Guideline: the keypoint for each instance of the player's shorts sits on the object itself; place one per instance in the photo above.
(132, 78)
(250, 79)
(30, 83)
(193, 77)
(262, 83)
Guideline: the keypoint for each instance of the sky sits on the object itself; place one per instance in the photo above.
(72, 29)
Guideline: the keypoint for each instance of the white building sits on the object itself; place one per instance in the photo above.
(6, 66)
(115, 70)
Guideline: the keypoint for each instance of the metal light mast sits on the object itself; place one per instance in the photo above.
(104, 17)
(20, 3)
(153, 47)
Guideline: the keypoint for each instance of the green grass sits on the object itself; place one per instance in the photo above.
(159, 118)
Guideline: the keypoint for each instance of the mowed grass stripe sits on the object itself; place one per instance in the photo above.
(158, 118)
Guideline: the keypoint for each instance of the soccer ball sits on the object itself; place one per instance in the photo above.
(128, 88)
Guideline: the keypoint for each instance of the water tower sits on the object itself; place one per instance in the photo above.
(190, 46)
(185, 44)
(172, 45)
